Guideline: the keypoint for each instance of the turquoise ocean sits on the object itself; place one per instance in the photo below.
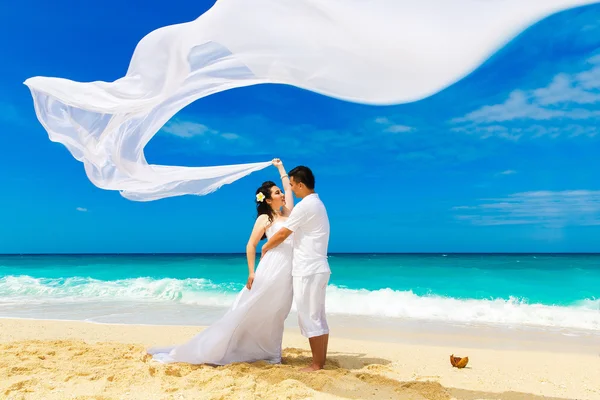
(559, 291)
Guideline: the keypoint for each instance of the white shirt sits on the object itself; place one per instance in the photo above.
(310, 224)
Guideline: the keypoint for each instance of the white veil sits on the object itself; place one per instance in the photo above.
(366, 51)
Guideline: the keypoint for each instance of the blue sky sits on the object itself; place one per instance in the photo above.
(505, 160)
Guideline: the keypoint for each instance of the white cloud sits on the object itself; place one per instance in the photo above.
(532, 131)
(567, 96)
(548, 208)
(391, 126)
(590, 79)
(230, 136)
(564, 89)
(81, 209)
(186, 129)
(398, 128)
(518, 105)
(578, 130)
(508, 172)
(382, 120)
(485, 132)
(464, 208)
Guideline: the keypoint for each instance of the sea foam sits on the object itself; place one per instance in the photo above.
(583, 314)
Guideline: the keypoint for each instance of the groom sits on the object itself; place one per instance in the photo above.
(310, 269)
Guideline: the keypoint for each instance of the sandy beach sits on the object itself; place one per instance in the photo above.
(44, 359)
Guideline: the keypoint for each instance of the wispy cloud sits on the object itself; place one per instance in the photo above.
(230, 136)
(258, 134)
(548, 208)
(398, 128)
(519, 105)
(566, 88)
(545, 103)
(392, 127)
(383, 120)
(537, 130)
(202, 138)
(590, 79)
(187, 129)
(507, 172)
(82, 209)
(568, 106)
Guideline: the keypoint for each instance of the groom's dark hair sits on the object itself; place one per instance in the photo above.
(302, 174)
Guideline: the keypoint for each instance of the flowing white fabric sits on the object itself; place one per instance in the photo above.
(372, 52)
(252, 329)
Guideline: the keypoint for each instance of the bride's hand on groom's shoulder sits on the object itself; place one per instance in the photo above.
(249, 282)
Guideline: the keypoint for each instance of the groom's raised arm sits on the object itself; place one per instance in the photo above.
(297, 216)
(276, 239)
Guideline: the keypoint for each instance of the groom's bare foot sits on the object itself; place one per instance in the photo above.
(311, 368)
(318, 347)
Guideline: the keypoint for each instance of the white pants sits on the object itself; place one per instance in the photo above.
(309, 296)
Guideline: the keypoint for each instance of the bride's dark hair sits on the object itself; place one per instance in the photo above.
(262, 207)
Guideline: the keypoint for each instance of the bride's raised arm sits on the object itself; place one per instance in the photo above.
(287, 188)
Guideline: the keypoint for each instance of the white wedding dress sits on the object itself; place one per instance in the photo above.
(252, 329)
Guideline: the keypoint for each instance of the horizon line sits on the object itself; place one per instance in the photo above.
(331, 253)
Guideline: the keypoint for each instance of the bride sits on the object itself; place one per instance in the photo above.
(252, 329)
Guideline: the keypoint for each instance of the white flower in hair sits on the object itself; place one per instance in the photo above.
(260, 197)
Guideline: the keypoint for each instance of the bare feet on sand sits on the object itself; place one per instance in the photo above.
(311, 368)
